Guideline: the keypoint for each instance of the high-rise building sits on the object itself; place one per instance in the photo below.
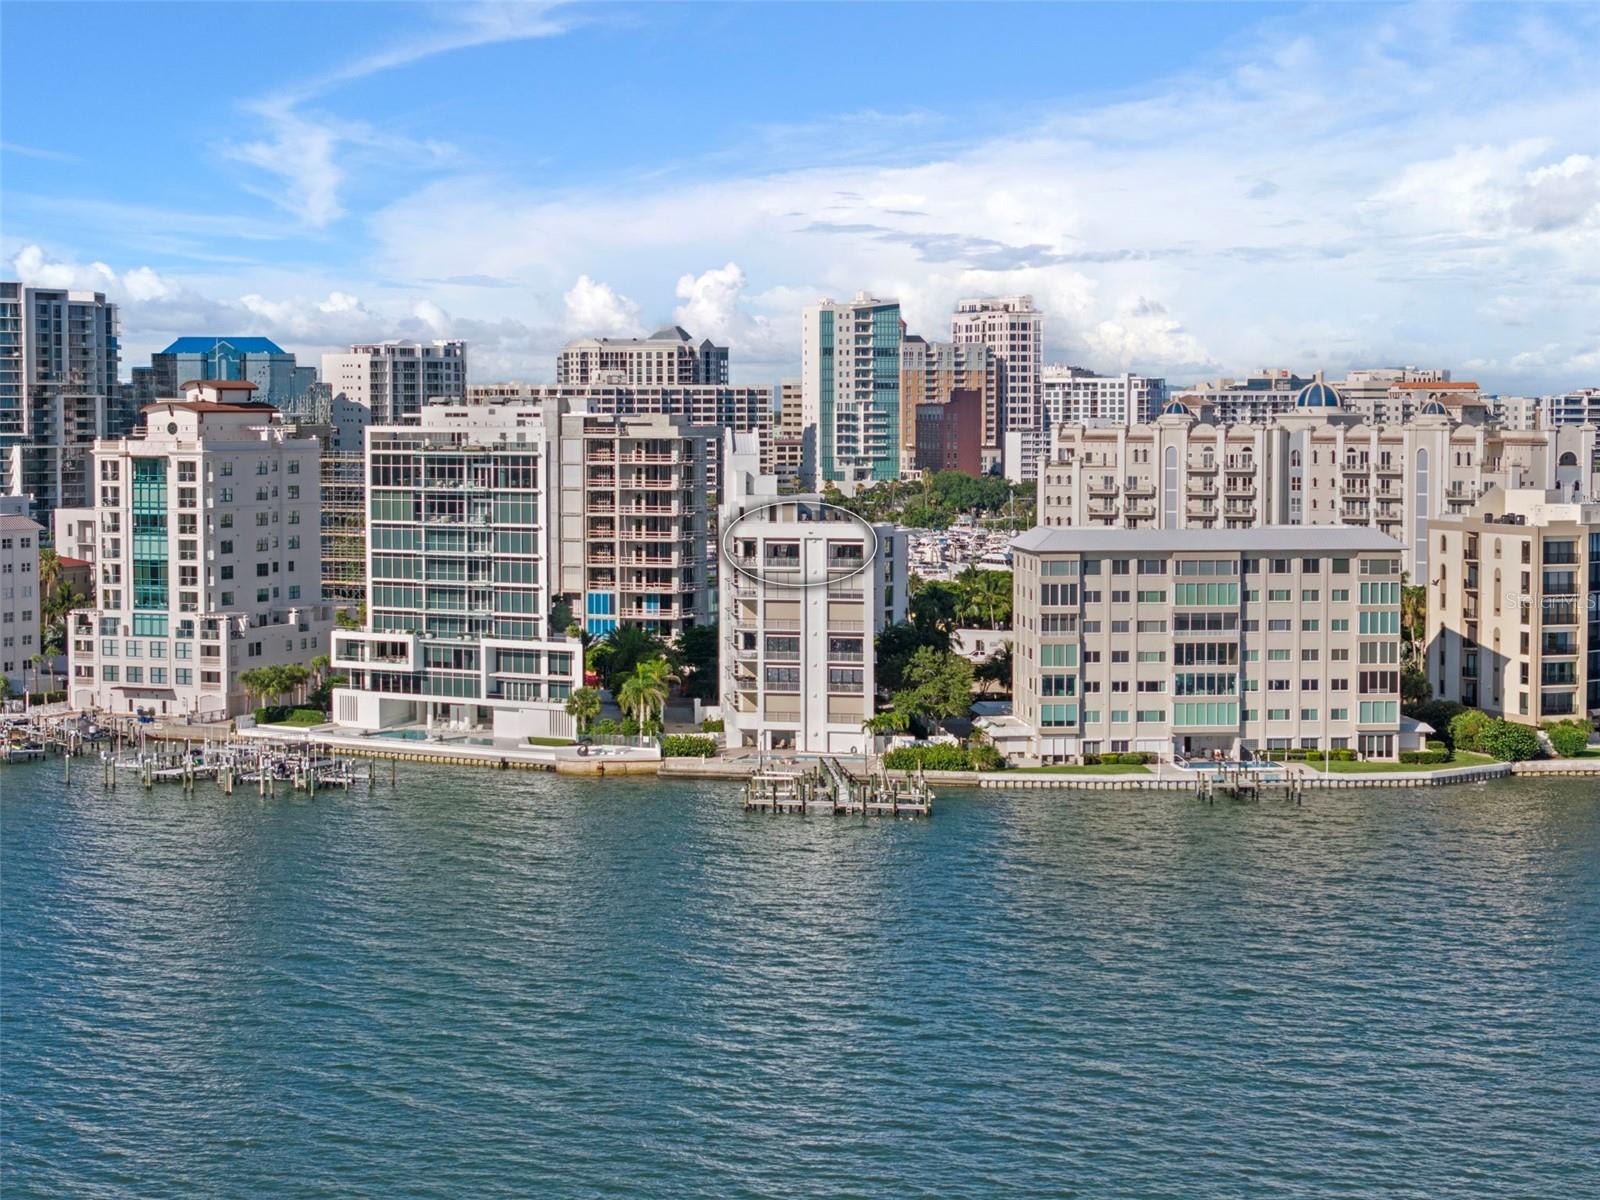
(209, 561)
(388, 383)
(1317, 464)
(804, 589)
(850, 388)
(1013, 330)
(461, 510)
(742, 408)
(58, 392)
(1075, 396)
(20, 600)
(258, 360)
(667, 357)
(1226, 642)
(1253, 400)
(1368, 391)
(931, 373)
(1513, 624)
(783, 455)
(950, 434)
(634, 520)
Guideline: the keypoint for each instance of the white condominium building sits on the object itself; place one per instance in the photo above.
(850, 389)
(805, 587)
(20, 601)
(1013, 330)
(1254, 399)
(209, 561)
(783, 455)
(1371, 391)
(459, 592)
(1514, 606)
(1578, 407)
(667, 356)
(1075, 396)
(388, 383)
(721, 404)
(1194, 643)
(1318, 464)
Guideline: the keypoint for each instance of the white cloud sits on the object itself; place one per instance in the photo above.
(713, 305)
(595, 309)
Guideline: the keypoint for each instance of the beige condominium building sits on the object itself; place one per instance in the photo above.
(1514, 606)
(1202, 642)
(939, 373)
(804, 589)
(1319, 464)
(210, 557)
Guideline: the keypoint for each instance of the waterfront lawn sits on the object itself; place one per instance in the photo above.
(1463, 758)
(302, 718)
(1085, 769)
(538, 741)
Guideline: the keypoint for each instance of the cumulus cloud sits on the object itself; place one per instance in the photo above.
(35, 267)
(596, 309)
(714, 305)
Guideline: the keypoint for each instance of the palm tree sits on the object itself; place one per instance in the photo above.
(583, 706)
(644, 693)
(38, 665)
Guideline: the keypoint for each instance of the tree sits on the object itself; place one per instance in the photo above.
(644, 693)
(695, 655)
(890, 721)
(937, 685)
(895, 646)
(345, 620)
(583, 706)
(984, 597)
(935, 608)
(1414, 621)
(1414, 687)
(996, 669)
(614, 657)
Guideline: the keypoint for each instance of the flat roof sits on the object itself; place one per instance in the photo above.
(209, 406)
(1042, 539)
(221, 385)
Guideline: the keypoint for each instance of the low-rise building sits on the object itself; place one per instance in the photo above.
(1513, 618)
(805, 587)
(1200, 643)
(20, 601)
(209, 558)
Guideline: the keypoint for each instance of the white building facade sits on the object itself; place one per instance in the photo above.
(1013, 330)
(209, 558)
(388, 383)
(805, 587)
(1075, 396)
(20, 599)
(1195, 644)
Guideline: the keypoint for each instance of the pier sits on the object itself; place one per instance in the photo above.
(828, 787)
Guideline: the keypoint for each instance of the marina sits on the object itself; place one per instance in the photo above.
(829, 787)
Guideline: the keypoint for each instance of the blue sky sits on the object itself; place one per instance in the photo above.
(1190, 190)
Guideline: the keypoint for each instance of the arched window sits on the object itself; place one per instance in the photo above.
(1294, 458)
(1569, 459)
(1497, 589)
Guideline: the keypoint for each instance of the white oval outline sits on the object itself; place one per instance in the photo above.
(727, 535)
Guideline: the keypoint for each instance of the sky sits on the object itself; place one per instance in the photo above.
(1187, 190)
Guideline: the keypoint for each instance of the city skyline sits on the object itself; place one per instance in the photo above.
(1205, 193)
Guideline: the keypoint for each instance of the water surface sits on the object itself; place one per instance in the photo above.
(484, 984)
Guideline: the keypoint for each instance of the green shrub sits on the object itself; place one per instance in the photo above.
(1136, 757)
(1468, 730)
(1090, 760)
(1296, 754)
(712, 725)
(1342, 754)
(688, 745)
(1111, 759)
(985, 758)
(1570, 737)
(1436, 744)
(1424, 756)
(604, 727)
(940, 756)
(1510, 742)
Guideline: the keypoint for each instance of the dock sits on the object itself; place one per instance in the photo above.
(828, 787)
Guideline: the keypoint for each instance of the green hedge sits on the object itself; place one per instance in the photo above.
(1469, 729)
(288, 714)
(688, 745)
(940, 756)
(1510, 742)
(1570, 737)
(1425, 756)
(711, 725)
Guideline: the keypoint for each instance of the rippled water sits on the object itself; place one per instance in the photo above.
(510, 984)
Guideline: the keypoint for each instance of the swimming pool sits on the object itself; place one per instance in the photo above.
(402, 735)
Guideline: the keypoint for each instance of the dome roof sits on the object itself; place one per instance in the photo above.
(1318, 394)
(1433, 408)
(1176, 408)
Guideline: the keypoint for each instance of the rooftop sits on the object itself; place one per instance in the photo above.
(205, 345)
(1325, 538)
(15, 523)
(220, 385)
(210, 406)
